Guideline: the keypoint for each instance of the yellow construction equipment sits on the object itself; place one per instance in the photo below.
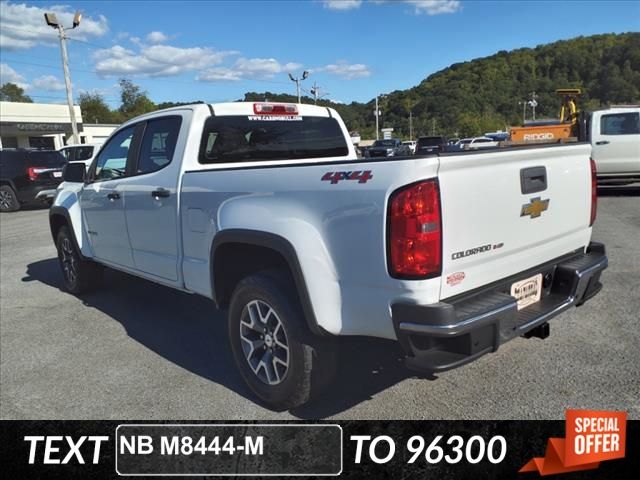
(550, 131)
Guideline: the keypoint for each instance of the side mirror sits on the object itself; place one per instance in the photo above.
(74, 172)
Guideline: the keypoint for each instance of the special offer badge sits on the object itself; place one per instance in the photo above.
(592, 436)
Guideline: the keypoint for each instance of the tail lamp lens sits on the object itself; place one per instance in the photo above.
(33, 172)
(415, 231)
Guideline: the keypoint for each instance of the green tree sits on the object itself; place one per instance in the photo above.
(134, 100)
(10, 92)
(94, 108)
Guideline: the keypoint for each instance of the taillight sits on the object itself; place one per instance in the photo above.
(33, 172)
(415, 231)
(594, 192)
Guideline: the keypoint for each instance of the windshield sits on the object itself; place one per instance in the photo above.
(384, 143)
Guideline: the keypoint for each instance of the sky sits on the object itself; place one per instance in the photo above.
(216, 51)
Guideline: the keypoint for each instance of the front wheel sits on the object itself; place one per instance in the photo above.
(279, 359)
(80, 276)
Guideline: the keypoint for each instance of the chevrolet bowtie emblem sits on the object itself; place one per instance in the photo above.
(534, 208)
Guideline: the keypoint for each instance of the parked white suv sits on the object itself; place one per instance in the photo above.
(476, 143)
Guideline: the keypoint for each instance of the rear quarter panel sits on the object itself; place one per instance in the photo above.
(338, 231)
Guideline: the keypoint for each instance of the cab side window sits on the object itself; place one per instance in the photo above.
(112, 161)
(620, 124)
(158, 144)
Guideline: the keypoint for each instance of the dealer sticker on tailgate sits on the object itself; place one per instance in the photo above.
(527, 291)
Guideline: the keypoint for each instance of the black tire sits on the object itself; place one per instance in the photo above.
(79, 275)
(8, 199)
(311, 359)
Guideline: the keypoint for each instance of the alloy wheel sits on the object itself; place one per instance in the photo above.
(69, 261)
(6, 200)
(264, 342)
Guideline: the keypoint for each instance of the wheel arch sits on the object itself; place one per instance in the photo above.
(257, 250)
(58, 218)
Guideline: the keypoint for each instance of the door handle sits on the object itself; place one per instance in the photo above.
(603, 142)
(160, 193)
(113, 196)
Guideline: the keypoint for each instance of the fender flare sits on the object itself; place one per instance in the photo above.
(7, 181)
(285, 249)
(63, 212)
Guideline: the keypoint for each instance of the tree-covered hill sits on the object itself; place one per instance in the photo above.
(482, 95)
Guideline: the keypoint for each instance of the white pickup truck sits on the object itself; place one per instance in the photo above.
(265, 209)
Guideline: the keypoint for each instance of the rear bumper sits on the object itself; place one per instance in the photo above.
(449, 334)
(33, 193)
(46, 195)
(623, 178)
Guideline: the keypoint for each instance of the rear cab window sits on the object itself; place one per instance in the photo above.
(430, 141)
(84, 153)
(235, 138)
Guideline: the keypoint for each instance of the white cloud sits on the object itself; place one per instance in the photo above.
(434, 7)
(346, 71)
(248, 68)
(157, 37)
(48, 82)
(24, 27)
(342, 4)
(430, 7)
(155, 60)
(9, 75)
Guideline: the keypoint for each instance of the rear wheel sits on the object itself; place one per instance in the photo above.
(80, 276)
(8, 199)
(282, 363)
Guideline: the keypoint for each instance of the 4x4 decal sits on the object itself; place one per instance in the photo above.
(335, 177)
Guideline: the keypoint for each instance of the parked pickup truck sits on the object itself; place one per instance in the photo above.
(388, 148)
(265, 209)
(615, 137)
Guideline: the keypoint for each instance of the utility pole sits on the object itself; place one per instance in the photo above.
(433, 127)
(52, 21)
(297, 81)
(315, 91)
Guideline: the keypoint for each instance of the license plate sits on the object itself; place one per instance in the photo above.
(527, 291)
(57, 174)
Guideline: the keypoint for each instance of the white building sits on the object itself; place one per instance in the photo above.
(45, 125)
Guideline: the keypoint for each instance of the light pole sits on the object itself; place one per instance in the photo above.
(52, 21)
(533, 103)
(377, 113)
(297, 80)
(524, 111)
(410, 125)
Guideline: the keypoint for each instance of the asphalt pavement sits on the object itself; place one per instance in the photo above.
(137, 351)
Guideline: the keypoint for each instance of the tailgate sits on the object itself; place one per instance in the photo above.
(491, 229)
